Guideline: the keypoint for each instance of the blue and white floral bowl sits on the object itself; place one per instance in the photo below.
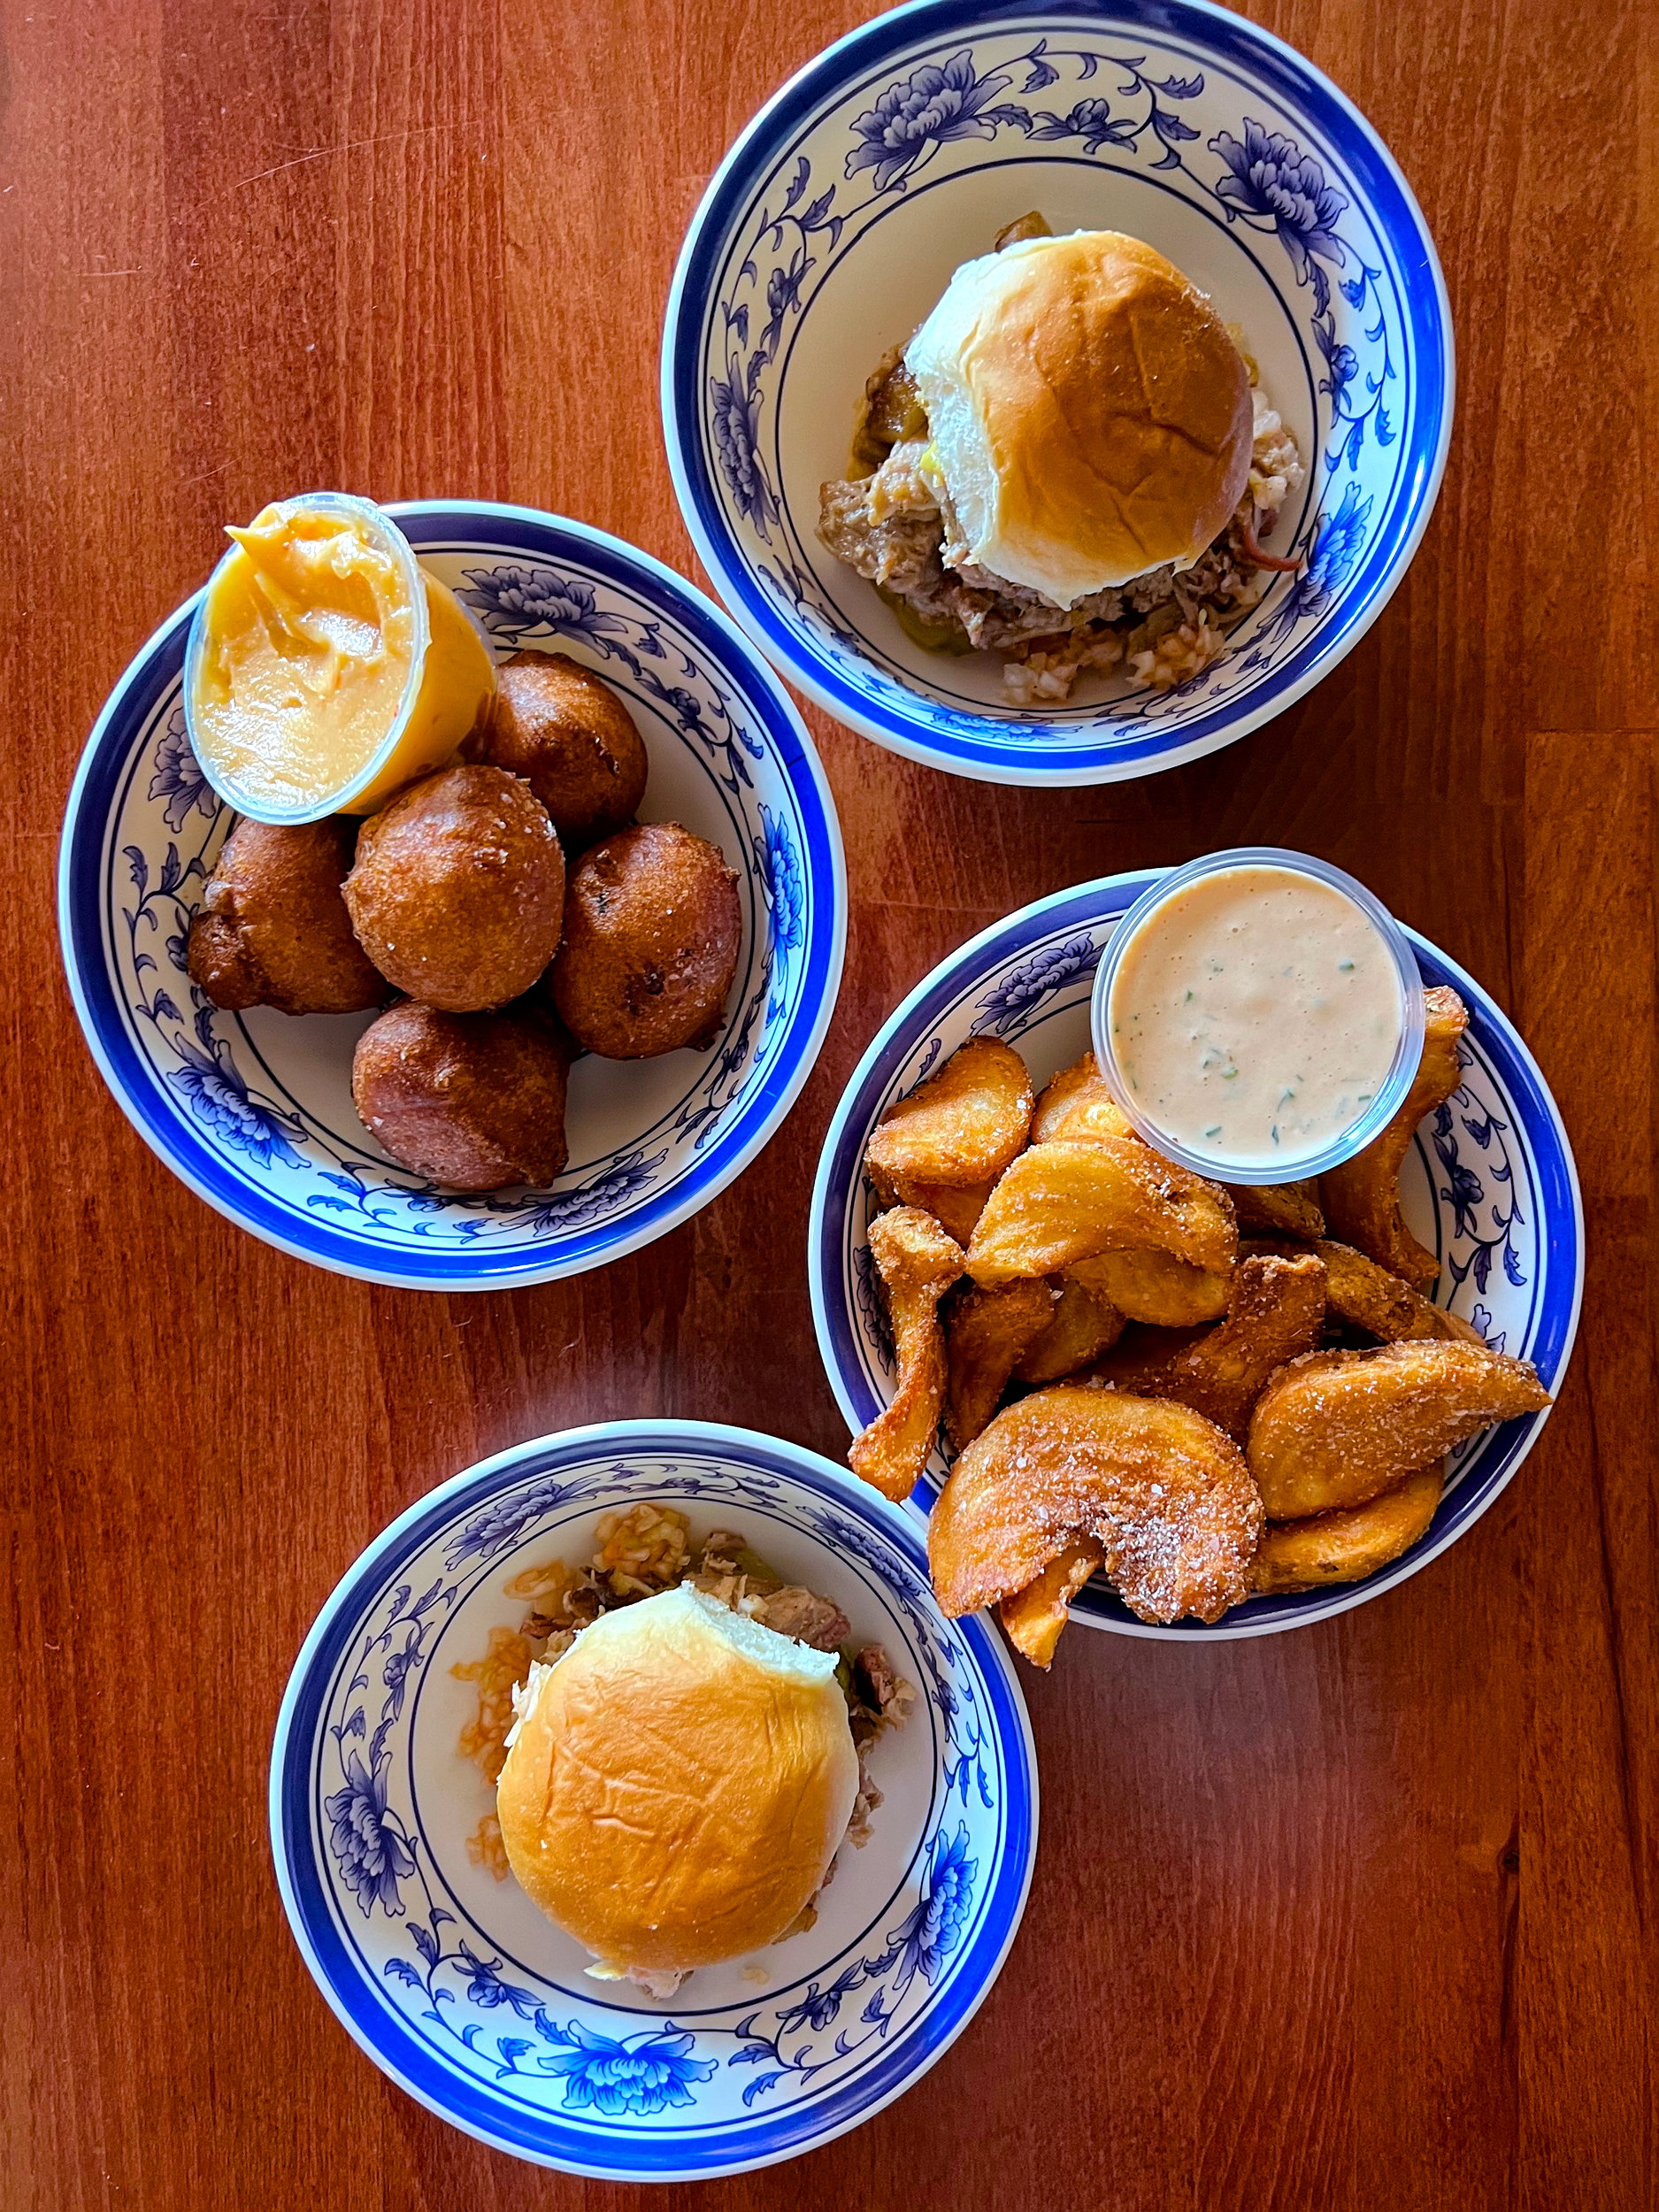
(456, 1987)
(1489, 1185)
(834, 225)
(254, 1110)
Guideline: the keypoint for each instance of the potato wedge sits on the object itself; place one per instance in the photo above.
(963, 1125)
(1275, 1314)
(1150, 1286)
(1279, 1210)
(1166, 1496)
(1362, 1197)
(1082, 1079)
(1080, 1329)
(1064, 1201)
(1346, 1546)
(1033, 1618)
(957, 1211)
(1366, 1296)
(917, 1263)
(1334, 1428)
(986, 1334)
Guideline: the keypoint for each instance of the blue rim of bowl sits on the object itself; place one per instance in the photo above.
(152, 671)
(465, 2105)
(1560, 1240)
(1006, 753)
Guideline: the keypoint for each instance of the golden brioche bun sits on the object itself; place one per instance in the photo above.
(678, 1784)
(1090, 414)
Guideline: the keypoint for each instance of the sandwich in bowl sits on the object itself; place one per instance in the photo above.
(1070, 463)
(688, 1752)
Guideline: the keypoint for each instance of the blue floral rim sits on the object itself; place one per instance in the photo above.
(154, 671)
(1556, 1182)
(1040, 751)
(466, 2103)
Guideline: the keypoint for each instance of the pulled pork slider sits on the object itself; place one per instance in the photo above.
(677, 1785)
(1090, 417)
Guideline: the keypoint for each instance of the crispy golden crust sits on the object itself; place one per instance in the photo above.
(1081, 1327)
(570, 737)
(1033, 1618)
(653, 929)
(1362, 1197)
(1335, 1428)
(1346, 1546)
(957, 1211)
(1281, 1210)
(457, 890)
(1366, 1296)
(1066, 1201)
(272, 929)
(962, 1126)
(1275, 1313)
(917, 1263)
(473, 1101)
(1150, 1286)
(1079, 1085)
(1166, 1495)
(986, 1334)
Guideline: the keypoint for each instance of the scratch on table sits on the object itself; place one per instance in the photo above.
(351, 146)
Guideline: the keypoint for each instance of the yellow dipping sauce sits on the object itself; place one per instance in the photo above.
(320, 641)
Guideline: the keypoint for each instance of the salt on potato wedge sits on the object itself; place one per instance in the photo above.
(1153, 1288)
(1166, 1496)
(917, 1263)
(963, 1125)
(1064, 1201)
(1081, 1327)
(957, 1211)
(1348, 1545)
(1362, 1197)
(1281, 1210)
(986, 1334)
(1080, 1084)
(1333, 1429)
(1366, 1296)
(1034, 1617)
(1275, 1314)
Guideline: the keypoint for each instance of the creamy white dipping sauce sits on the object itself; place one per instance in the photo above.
(1254, 1016)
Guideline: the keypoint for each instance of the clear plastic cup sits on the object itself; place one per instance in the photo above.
(451, 677)
(1390, 1094)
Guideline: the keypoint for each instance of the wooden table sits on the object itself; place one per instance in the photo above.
(1362, 1917)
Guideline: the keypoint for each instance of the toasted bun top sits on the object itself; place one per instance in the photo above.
(1090, 415)
(678, 1784)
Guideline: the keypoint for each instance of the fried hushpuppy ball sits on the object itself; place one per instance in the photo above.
(554, 723)
(475, 1101)
(652, 930)
(272, 929)
(457, 890)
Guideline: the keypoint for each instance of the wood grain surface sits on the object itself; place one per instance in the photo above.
(1361, 1916)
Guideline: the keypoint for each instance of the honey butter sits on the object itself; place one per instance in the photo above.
(325, 666)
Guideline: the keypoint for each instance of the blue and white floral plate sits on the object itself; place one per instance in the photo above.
(254, 1110)
(453, 1982)
(833, 226)
(1489, 1185)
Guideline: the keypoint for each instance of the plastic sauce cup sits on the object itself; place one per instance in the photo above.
(1391, 1091)
(451, 677)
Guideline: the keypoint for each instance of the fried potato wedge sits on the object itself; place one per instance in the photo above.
(1034, 1616)
(963, 1125)
(1366, 1296)
(917, 1263)
(1081, 1327)
(1166, 1496)
(1334, 1428)
(1346, 1546)
(1362, 1197)
(1065, 1202)
(1279, 1210)
(1150, 1286)
(986, 1334)
(1275, 1314)
(1077, 1103)
(957, 1211)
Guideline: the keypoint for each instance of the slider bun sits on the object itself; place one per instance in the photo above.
(678, 1784)
(1089, 413)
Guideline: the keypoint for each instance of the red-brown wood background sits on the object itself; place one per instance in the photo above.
(1356, 1917)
